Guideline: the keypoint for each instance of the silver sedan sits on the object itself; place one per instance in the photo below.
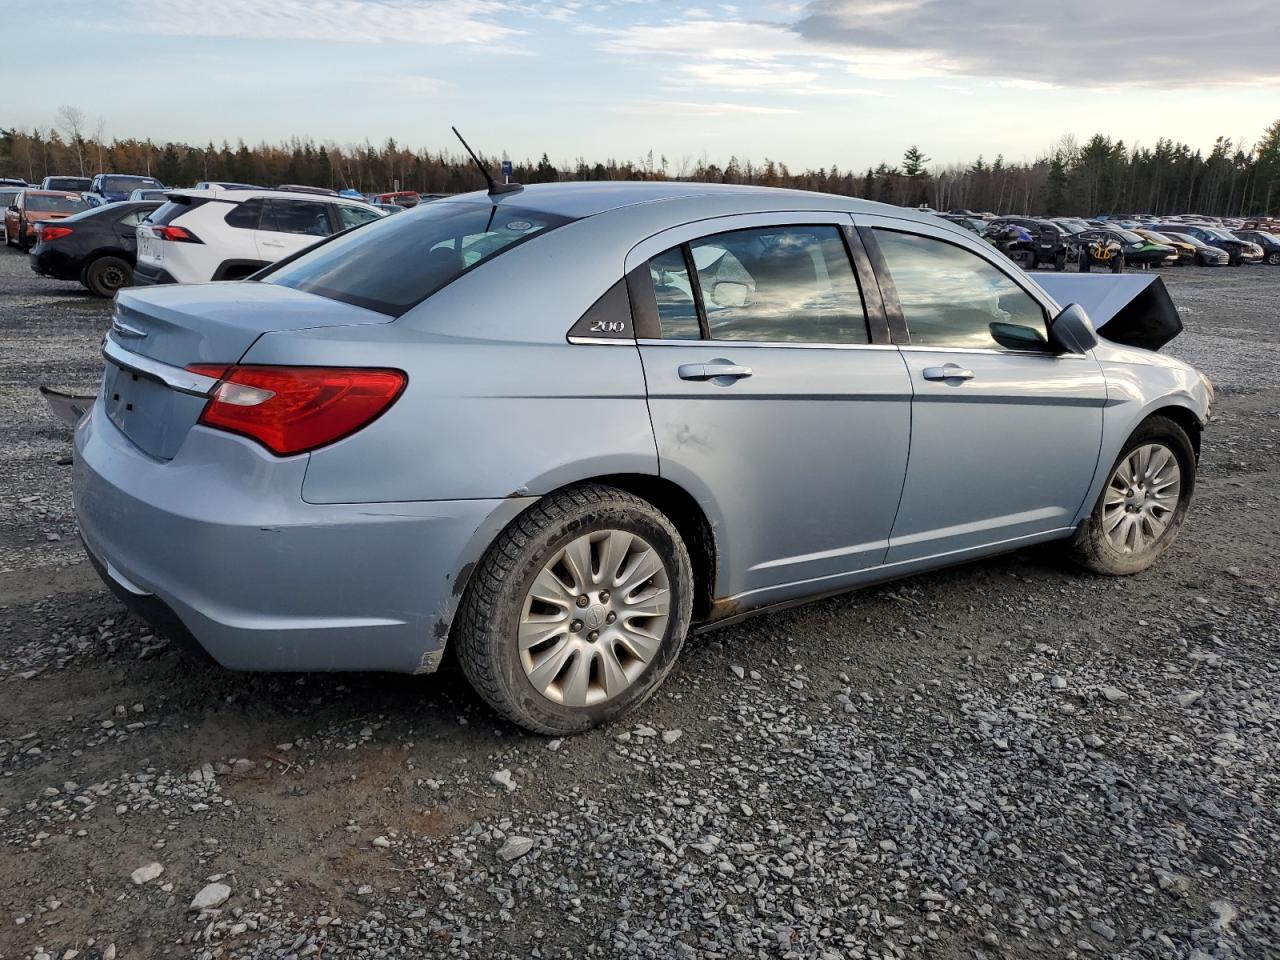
(559, 427)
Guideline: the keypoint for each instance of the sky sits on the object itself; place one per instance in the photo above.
(844, 82)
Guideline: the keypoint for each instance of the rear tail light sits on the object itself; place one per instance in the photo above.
(295, 409)
(176, 234)
(53, 233)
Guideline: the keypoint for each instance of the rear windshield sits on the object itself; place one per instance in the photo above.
(176, 207)
(67, 183)
(44, 203)
(128, 184)
(395, 263)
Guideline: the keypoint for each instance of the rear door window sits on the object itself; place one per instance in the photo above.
(245, 215)
(784, 284)
(307, 217)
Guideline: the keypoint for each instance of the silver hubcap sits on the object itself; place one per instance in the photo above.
(1141, 498)
(594, 618)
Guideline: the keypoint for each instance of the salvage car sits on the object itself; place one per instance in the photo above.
(67, 184)
(1268, 243)
(1206, 255)
(37, 206)
(1183, 252)
(114, 187)
(8, 197)
(1238, 251)
(555, 428)
(98, 248)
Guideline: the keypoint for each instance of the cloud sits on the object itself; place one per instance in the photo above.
(437, 22)
(680, 108)
(1180, 43)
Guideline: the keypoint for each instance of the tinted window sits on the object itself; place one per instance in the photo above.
(44, 203)
(780, 284)
(245, 215)
(309, 217)
(128, 184)
(351, 216)
(951, 296)
(392, 265)
(176, 207)
(677, 313)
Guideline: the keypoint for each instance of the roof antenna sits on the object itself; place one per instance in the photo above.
(495, 188)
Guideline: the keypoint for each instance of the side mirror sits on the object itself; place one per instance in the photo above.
(1071, 331)
(1015, 336)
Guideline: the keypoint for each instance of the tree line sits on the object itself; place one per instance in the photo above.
(1100, 175)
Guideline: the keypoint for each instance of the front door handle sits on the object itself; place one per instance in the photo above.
(713, 370)
(948, 372)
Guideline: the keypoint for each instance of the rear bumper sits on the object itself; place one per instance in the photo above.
(217, 543)
(145, 275)
(53, 263)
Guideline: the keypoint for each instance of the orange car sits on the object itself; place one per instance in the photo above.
(36, 206)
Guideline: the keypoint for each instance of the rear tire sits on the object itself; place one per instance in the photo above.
(1105, 552)
(547, 665)
(106, 275)
(1273, 258)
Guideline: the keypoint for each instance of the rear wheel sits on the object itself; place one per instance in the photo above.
(106, 275)
(1140, 510)
(578, 610)
(1273, 258)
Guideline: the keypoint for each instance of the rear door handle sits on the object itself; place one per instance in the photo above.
(712, 371)
(948, 372)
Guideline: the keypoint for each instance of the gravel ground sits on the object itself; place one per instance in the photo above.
(1007, 759)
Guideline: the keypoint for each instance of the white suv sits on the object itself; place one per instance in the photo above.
(220, 234)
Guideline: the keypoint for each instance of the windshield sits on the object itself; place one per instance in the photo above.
(393, 264)
(1156, 237)
(60, 203)
(1217, 234)
(128, 184)
(67, 183)
(1129, 236)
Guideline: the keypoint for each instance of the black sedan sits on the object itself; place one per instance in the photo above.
(1269, 242)
(96, 247)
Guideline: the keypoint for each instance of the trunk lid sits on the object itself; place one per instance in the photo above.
(157, 332)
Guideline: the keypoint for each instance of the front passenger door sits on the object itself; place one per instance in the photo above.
(1005, 432)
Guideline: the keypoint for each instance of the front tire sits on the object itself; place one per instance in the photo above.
(578, 610)
(1141, 508)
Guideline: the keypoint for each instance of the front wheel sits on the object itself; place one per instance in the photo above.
(1273, 258)
(1140, 510)
(578, 610)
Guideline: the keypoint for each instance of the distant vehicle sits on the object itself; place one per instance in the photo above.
(1206, 255)
(97, 247)
(11, 182)
(1267, 224)
(302, 188)
(202, 235)
(37, 206)
(352, 194)
(1240, 251)
(67, 184)
(112, 187)
(972, 224)
(1186, 252)
(389, 207)
(8, 196)
(1072, 224)
(93, 200)
(1030, 242)
(148, 194)
(225, 185)
(1140, 251)
(1097, 247)
(401, 198)
(1269, 242)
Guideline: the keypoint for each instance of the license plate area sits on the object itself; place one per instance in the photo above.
(150, 414)
(149, 247)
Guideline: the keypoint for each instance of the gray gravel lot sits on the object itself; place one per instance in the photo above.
(1008, 759)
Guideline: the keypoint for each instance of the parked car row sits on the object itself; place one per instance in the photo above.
(1116, 242)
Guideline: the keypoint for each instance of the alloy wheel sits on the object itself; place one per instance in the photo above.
(594, 618)
(1141, 498)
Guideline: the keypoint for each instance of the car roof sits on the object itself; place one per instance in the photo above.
(579, 199)
(237, 195)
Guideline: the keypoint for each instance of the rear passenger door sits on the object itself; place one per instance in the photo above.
(288, 226)
(1005, 431)
(775, 395)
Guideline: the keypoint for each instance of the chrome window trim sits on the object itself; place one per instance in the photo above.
(176, 378)
(606, 341)
(986, 351)
(734, 344)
